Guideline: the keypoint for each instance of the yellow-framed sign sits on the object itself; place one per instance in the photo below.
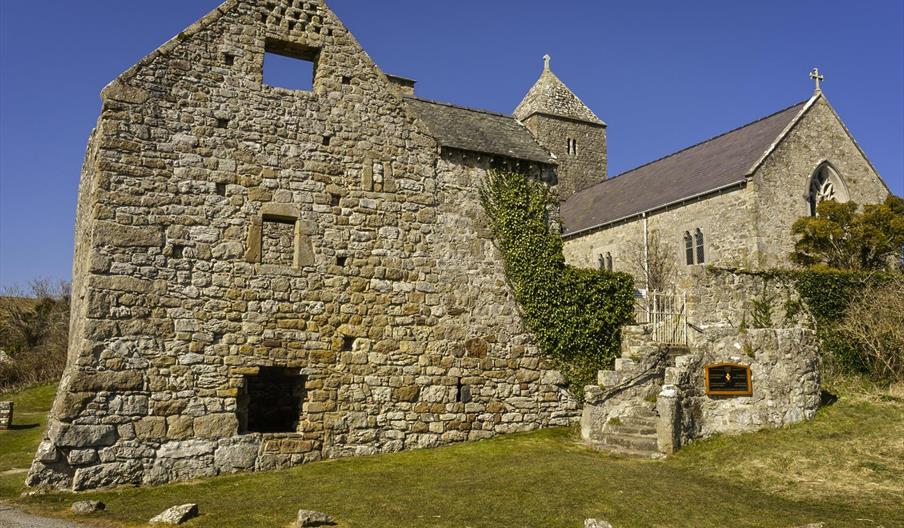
(728, 379)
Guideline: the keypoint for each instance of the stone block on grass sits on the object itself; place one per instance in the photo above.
(313, 518)
(177, 514)
(87, 507)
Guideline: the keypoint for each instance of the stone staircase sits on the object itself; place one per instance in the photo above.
(620, 412)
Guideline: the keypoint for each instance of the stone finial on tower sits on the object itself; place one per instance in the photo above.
(816, 76)
(546, 59)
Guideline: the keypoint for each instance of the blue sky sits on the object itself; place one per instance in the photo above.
(662, 74)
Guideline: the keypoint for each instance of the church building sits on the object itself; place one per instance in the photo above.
(728, 201)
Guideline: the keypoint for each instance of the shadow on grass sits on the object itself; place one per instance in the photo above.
(20, 427)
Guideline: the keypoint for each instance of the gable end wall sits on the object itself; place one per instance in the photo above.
(410, 339)
(782, 181)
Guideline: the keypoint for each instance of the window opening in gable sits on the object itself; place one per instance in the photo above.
(271, 401)
(289, 65)
(278, 241)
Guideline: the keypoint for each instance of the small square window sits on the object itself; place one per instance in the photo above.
(326, 140)
(341, 260)
(289, 65)
(222, 122)
(221, 189)
(229, 59)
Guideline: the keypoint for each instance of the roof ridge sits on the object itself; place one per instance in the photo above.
(717, 136)
(460, 107)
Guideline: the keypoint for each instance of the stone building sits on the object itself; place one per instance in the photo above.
(267, 276)
(729, 201)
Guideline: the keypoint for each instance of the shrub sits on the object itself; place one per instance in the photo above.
(34, 331)
(829, 295)
(843, 237)
(575, 314)
(874, 326)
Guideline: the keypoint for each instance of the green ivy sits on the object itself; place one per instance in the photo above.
(575, 314)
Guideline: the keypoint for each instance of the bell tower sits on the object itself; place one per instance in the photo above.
(562, 123)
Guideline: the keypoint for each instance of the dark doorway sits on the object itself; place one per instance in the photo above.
(271, 401)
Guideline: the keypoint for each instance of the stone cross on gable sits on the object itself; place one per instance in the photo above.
(816, 76)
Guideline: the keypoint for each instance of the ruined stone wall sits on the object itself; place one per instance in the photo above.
(782, 182)
(721, 297)
(585, 167)
(389, 304)
(784, 373)
(725, 220)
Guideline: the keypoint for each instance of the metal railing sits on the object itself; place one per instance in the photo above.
(666, 313)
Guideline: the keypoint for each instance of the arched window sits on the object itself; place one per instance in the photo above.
(825, 184)
(688, 248)
(605, 261)
(698, 238)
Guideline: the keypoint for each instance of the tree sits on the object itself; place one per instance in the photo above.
(842, 237)
(655, 264)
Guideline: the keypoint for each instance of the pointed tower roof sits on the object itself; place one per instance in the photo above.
(550, 96)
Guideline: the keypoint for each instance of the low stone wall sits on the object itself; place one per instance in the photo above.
(718, 297)
(784, 368)
(6, 414)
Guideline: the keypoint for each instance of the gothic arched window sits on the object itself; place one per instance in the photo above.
(688, 248)
(825, 184)
(698, 238)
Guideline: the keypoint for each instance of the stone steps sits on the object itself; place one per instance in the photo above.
(641, 443)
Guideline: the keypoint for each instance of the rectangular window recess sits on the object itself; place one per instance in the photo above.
(278, 240)
(271, 401)
(290, 65)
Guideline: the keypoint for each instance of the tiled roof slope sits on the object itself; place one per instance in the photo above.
(550, 96)
(478, 131)
(715, 163)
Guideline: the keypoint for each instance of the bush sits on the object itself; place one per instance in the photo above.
(830, 295)
(873, 325)
(842, 236)
(575, 314)
(34, 332)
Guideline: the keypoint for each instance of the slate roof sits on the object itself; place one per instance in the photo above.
(478, 131)
(715, 163)
(550, 96)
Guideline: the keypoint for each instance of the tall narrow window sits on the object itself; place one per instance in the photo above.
(688, 248)
(608, 261)
(698, 238)
(572, 145)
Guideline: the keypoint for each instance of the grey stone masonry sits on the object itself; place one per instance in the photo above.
(233, 236)
(6, 414)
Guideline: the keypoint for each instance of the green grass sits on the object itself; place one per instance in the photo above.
(17, 446)
(844, 468)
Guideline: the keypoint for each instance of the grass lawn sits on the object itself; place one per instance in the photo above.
(845, 468)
